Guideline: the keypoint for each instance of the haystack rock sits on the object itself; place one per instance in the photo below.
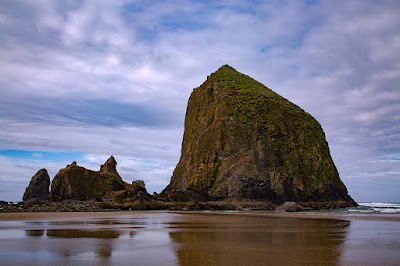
(78, 183)
(242, 140)
(38, 187)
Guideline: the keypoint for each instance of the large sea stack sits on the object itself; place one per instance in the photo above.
(78, 183)
(242, 140)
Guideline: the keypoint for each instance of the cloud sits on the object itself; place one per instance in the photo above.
(113, 77)
(130, 141)
(62, 111)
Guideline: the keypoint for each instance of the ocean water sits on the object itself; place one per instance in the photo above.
(376, 207)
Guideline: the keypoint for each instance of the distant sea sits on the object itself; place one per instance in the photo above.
(376, 207)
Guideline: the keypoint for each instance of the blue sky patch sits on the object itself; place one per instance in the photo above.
(42, 155)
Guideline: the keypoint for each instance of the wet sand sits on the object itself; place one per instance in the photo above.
(199, 238)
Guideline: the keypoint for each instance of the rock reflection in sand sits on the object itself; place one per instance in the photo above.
(87, 246)
(34, 233)
(76, 233)
(258, 241)
(127, 239)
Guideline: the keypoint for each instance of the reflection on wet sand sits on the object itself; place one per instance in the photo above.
(34, 233)
(74, 233)
(101, 241)
(199, 238)
(259, 241)
(102, 249)
(77, 233)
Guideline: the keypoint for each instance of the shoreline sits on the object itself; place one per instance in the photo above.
(330, 215)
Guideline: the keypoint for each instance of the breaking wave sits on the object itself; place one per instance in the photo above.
(381, 207)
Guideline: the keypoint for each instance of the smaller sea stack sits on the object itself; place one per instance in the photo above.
(78, 183)
(38, 187)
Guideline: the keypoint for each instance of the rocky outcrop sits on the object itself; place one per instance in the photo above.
(110, 167)
(38, 187)
(242, 140)
(139, 183)
(290, 206)
(76, 182)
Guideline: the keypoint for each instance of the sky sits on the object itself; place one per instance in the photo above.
(83, 80)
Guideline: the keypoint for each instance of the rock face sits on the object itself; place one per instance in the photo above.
(242, 140)
(38, 188)
(110, 167)
(139, 183)
(76, 182)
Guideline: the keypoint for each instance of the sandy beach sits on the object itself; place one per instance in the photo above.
(199, 238)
